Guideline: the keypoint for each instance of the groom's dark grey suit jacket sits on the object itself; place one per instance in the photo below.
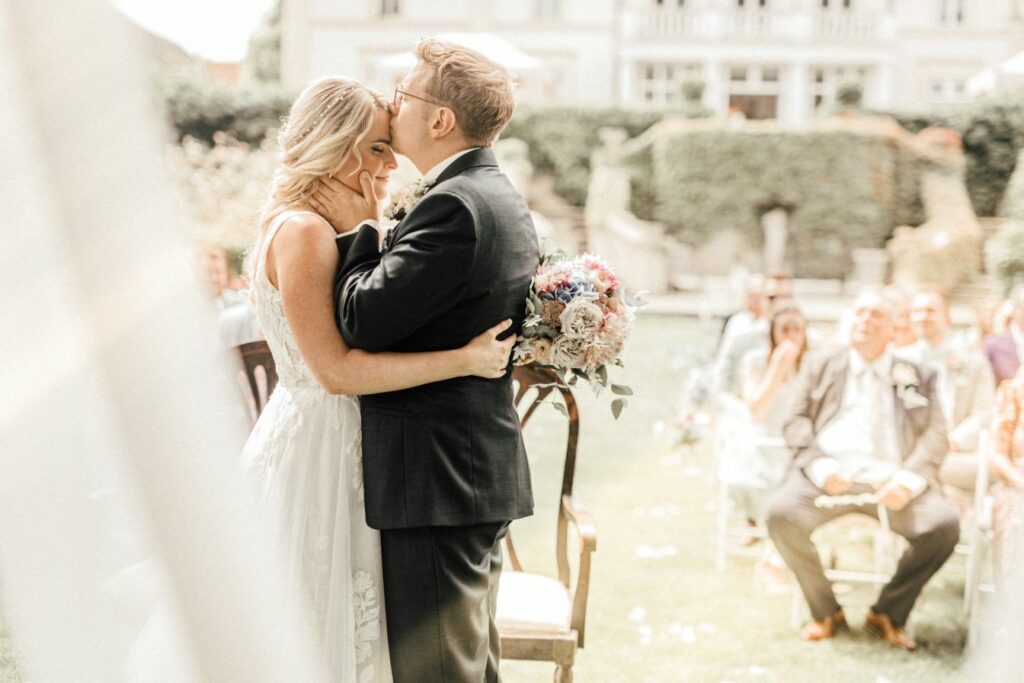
(449, 453)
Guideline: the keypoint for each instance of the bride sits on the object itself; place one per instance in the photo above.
(304, 454)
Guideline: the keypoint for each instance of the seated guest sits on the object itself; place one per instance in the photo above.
(752, 315)
(768, 380)
(236, 316)
(966, 387)
(725, 371)
(1007, 461)
(903, 332)
(1005, 350)
(863, 422)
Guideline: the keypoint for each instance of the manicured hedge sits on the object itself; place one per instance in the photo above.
(843, 188)
(561, 140)
(993, 136)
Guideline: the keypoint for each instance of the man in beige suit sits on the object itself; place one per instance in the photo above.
(966, 386)
(863, 421)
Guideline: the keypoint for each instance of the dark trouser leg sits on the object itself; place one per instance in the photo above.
(791, 518)
(494, 651)
(932, 527)
(440, 602)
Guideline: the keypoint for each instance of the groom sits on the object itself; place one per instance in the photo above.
(444, 464)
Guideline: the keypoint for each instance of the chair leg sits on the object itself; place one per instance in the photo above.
(723, 513)
(563, 674)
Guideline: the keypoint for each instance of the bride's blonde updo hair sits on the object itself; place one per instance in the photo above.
(324, 126)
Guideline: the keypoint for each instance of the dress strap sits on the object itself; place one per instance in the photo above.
(275, 225)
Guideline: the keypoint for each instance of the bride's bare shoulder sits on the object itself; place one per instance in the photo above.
(304, 240)
(302, 232)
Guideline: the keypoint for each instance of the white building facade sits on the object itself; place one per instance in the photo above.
(781, 59)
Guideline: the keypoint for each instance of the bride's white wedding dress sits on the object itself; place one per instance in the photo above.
(305, 459)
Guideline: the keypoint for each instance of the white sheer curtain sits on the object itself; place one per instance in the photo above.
(118, 444)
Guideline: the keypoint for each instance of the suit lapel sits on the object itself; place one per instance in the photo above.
(483, 156)
(834, 380)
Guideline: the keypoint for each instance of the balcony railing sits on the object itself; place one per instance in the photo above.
(667, 23)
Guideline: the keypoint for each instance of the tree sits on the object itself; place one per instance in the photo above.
(263, 57)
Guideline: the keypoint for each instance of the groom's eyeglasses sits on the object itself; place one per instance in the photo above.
(400, 96)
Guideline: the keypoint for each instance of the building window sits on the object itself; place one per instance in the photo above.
(662, 84)
(944, 90)
(737, 74)
(951, 11)
(549, 9)
(828, 80)
(769, 75)
(390, 8)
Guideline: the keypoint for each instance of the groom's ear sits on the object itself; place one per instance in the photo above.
(444, 123)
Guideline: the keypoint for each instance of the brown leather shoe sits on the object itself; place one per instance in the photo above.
(826, 628)
(882, 625)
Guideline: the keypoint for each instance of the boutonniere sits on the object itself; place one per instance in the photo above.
(904, 376)
(406, 198)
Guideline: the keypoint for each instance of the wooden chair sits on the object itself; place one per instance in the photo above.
(260, 375)
(541, 618)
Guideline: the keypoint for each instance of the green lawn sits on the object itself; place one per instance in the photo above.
(671, 617)
(659, 611)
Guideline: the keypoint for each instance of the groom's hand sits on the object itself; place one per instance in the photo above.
(344, 208)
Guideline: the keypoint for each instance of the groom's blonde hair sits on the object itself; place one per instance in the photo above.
(476, 88)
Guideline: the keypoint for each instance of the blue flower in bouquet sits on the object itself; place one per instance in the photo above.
(577, 288)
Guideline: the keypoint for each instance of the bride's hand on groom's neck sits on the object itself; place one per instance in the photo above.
(344, 208)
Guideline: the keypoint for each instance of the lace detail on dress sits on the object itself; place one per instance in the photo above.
(292, 372)
(355, 455)
(366, 611)
(305, 458)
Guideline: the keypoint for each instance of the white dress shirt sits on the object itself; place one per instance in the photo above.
(938, 357)
(860, 442)
(434, 173)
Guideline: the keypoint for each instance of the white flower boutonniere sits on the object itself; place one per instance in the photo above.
(904, 376)
(406, 198)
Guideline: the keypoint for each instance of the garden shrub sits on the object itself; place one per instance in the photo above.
(842, 188)
(1004, 255)
(993, 135)
(561, 140)
(201, 107)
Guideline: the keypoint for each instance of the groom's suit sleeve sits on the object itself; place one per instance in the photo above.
(381, 299)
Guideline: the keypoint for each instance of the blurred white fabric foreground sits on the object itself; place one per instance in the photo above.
(118, 445)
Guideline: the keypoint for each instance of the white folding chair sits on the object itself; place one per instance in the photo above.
(886, 550)
(739, 450)
(978, 569)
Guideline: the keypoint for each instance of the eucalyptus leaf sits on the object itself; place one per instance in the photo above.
(560, 407)
(621, 390)
(602, 376)
(617, 406)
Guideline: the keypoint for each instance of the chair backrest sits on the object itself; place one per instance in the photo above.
(260, 373)
(545, 382)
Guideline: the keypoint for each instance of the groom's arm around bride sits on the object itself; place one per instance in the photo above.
(444, 464)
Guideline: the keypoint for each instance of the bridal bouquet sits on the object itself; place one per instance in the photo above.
(578, 320)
